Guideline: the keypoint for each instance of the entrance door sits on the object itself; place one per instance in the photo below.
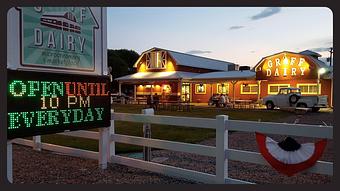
(185, 93)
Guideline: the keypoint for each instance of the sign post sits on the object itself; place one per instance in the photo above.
(147, 134)
(9, 162)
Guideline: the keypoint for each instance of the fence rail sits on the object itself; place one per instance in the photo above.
(107, 139)
(316, 131)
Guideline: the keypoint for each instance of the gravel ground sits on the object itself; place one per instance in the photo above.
(46, 167)
(35, 167)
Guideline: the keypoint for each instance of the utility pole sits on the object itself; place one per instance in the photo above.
(330, 57)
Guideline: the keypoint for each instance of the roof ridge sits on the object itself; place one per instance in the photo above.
(191, 55)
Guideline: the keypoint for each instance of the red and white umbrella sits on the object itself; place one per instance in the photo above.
(288, 156)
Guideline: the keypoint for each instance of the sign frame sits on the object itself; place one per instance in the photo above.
(14, 42)
(22, 104)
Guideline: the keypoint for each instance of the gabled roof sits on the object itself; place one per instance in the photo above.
(183, 59)
(318, 62)
(310, 53)
(227, 75)
(175, 75)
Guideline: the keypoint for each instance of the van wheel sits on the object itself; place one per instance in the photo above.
(270, 105)
(293, 99)
(315, 109)
(303, 105)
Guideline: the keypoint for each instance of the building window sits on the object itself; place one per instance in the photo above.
(222, 88)
(200, 88)
(309, 88)
(249, 88)
(275, 88)
(156, 60)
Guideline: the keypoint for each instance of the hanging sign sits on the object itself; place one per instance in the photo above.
(60, 37)
(64, 39)
(42, 104)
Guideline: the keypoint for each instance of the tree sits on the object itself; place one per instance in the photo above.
(121, 61)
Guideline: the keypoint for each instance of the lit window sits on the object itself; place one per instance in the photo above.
(309, 88)
(156, 60)
(275, 88)
(200, 88)
(249, 89)
(223, 88)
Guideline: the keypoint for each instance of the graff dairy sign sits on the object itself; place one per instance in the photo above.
(58, 37)
(285, 66)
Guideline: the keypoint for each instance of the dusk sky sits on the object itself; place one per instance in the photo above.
(241, 35)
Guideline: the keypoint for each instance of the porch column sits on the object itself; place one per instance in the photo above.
(120, 88)
(258, 90)
(233, 83)
(151, 88)
(211, 89)
(135, 92)
(180, 90)
(331, 98)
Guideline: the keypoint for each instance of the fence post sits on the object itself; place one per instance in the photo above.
(37, 143)
(221, 147)
(147, 134)
(103, 147)
(9, 162)
(112, 147)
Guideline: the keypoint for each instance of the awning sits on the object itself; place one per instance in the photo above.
(156, 76)
(228, 75)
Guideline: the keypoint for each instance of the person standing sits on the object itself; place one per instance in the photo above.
(156, 101)
(149, 101)
(222, 100)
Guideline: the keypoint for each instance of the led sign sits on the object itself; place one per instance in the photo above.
(40, 103)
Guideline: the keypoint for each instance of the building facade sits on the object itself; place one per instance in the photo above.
(179, 76)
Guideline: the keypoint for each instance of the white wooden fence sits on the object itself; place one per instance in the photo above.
(107, 139)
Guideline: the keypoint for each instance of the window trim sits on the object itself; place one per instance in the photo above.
(163, 60)
(250, 93)
(205, 89)
(274, 93)
(308, 84)
(220, 84)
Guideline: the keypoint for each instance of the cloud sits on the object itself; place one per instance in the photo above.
(329, 43)
(198, 52)
(235, 27)
(320, 49)
(267, 12)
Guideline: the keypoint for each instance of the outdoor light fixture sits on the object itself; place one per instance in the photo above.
(322, 71)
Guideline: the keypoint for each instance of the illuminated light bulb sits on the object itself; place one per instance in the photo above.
(322, 71)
